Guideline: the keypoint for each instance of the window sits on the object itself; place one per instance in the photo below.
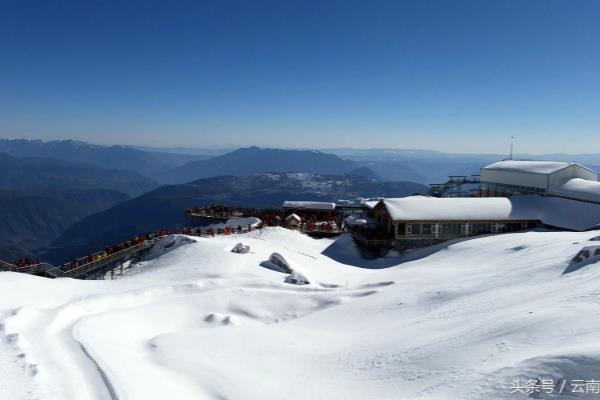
(481, 228)
(402, 229)
(416, 229)
(450, 229)
(426, 229)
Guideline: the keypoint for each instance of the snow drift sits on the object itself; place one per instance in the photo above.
(201, 322)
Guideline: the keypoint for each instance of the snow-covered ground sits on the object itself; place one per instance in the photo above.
(201, 322)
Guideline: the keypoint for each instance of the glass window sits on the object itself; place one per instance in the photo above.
(401, 229)
(426, 229)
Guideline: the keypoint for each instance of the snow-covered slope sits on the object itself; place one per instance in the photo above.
(201, 322)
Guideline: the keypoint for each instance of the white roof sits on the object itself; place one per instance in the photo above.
(309, 205)
(554, 211)
(449, 208)
(577, 187)
(370, 203)
(293, 216)
(534, 167)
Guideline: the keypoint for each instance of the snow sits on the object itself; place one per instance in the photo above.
(370, 203)
(577, 188)
(553, 211)
(424, 208)
(294, 217)
(534, 167)
(201, 322)
(309, 205)
(358, 220)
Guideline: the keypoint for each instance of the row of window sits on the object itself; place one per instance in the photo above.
(460, 229)
(509, 189)
(504, 188)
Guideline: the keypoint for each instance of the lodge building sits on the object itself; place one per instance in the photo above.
(416, 221)
(514, 196)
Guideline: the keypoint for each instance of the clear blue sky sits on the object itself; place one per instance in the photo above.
(445, 75)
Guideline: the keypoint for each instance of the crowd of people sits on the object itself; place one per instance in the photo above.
(310, 221)
(25, 263)
(212, 231)
(108, 251)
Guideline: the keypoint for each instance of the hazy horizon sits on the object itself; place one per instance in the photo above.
(221, 149)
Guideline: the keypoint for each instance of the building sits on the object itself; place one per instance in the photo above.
(346, 208)
(418, 221)
(311, 212)
(552, 178)
(316, 207)
(293, 221)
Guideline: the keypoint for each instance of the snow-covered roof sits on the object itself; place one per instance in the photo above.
(293, 216)
(370, 203)
(450, 208)
(554, 211)
(530, 166)
(578, 188)
(309, 205)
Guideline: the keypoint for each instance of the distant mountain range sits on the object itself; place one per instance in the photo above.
(46, 174)
(180, 165)
(41, 197)
(252, 160)
(164, 207)
(29, 220)
(110, 157)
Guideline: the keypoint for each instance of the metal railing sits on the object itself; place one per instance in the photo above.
(90, 267)
(85, 269)
(101, 260)
(33, 269)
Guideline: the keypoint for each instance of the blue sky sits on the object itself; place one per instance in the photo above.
(460, 76)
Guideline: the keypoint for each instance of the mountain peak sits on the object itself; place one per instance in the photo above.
(249, 160)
